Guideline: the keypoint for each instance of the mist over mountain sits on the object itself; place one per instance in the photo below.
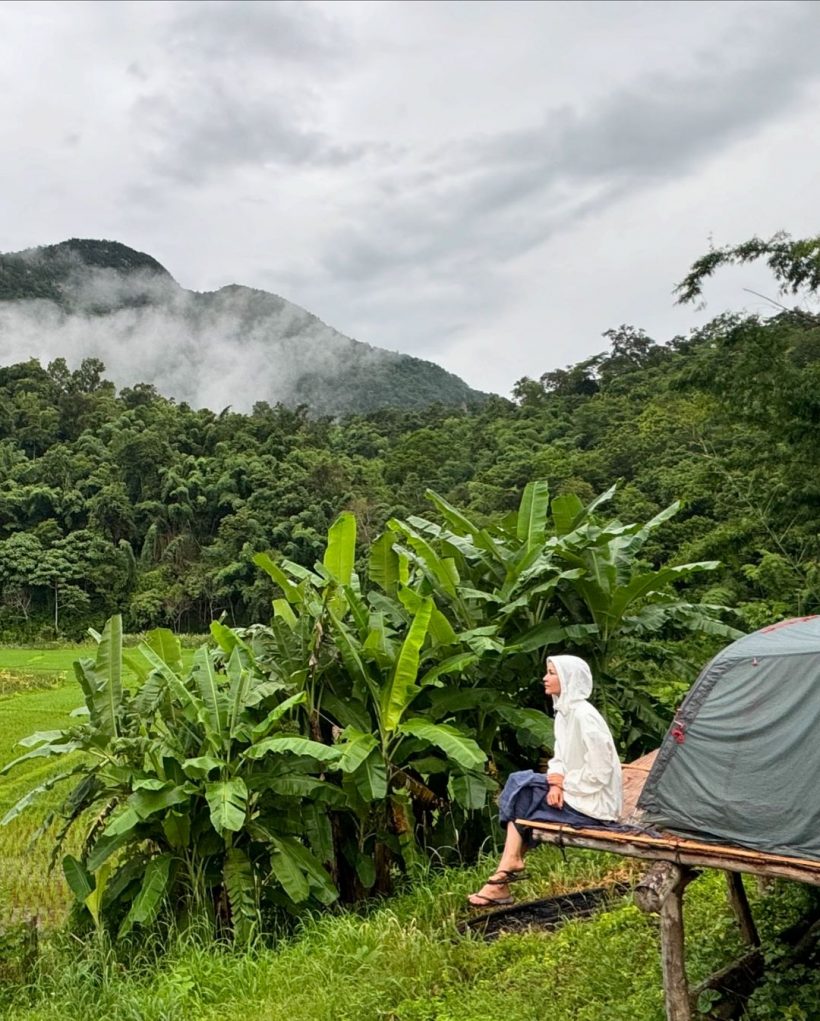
(235, 346)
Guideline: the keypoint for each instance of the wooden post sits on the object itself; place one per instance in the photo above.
(740, 906)
(661, 890)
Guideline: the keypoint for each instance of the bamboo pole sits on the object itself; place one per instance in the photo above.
(678, 849)
(740, 906)
(661, 890)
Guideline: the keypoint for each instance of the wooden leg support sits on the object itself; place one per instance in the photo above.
(661, 890)
(740, 906)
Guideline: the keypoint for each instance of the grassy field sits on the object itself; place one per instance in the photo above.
(405, 960)
(401, 960)
(26, 887)
(37, 692)
(49, 661)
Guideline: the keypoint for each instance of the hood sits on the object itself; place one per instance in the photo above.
(576, 681)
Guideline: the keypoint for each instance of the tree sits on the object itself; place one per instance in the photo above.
(795, 264)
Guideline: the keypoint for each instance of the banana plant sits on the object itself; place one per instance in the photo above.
(629, 604)
(377, 656)
(198, 784)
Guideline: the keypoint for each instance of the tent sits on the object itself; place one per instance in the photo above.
(741, 761)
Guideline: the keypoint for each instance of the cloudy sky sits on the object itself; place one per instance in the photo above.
(489, 185)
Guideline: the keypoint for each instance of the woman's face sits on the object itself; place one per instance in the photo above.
(552, 682)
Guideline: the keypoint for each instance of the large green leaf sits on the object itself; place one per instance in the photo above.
(241, 887)
(649, 582)
(378, 641)
(101, 680)
(241, 678)
(470, 790)
(166, 645)
(460, 522)
(123, 824)
(531, 524)
(154, 887)
(289, 590)
(41, 737)
(79, 879)
(228, 802)
(213, 699)
(94, 898)
(347, 712)
(383, 563)
(349, 650)
(340, 554)
(443, 572)
(177, 828)
(286, 868)
(441, 630)
(146, 803)
(297, 745)
(43, 751)
(318, 879)
(452, 665)
(458, 746)
(534, 728)
(105, 846)
(32, 795)
(175, 685)
(355, 747)
(401, 690)
(547, 633)
(226, 638)
(263, 728)
(566, 511)
(282, 610)
(370, 776)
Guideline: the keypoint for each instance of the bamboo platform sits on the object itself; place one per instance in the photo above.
(676, 861)
(679, 850)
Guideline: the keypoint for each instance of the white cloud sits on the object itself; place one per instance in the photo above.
(490, 185)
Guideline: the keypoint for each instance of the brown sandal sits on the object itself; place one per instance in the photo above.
(499, 902)
(503, 877)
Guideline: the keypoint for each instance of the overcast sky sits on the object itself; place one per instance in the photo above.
(489, 185)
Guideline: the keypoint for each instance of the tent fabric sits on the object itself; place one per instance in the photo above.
(741, 761)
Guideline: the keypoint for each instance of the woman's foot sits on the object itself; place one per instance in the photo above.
(496, 891)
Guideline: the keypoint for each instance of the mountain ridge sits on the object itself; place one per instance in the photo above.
(235, 345)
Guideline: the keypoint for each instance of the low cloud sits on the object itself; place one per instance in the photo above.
(233, 347)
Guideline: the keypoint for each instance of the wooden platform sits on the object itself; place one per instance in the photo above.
(668, 846)
(676, 861)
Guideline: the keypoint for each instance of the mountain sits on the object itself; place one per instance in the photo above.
(235, 346)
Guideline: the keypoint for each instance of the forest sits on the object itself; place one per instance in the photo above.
(368, 600)
(129, 502)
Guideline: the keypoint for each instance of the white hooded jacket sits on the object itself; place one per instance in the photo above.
(584, 750)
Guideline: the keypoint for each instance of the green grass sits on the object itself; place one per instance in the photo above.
(405, 960)
(32, 669)
(401, 960)
(23, 668)
(37, 692)
(26, 887)
(38, 660)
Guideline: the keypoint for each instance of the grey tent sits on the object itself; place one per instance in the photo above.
(741, 762)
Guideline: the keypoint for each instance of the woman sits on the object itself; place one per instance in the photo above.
(583, 782)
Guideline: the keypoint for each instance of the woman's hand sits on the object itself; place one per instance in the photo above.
(555, 791)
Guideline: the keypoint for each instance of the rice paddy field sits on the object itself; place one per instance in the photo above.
(37, 692)
(404, 959)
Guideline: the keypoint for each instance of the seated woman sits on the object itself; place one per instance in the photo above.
(583, 782)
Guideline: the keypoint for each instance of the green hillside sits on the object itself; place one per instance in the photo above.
(278, 351)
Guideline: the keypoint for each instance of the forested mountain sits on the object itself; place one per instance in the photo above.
(234, 346)
(128, 501)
